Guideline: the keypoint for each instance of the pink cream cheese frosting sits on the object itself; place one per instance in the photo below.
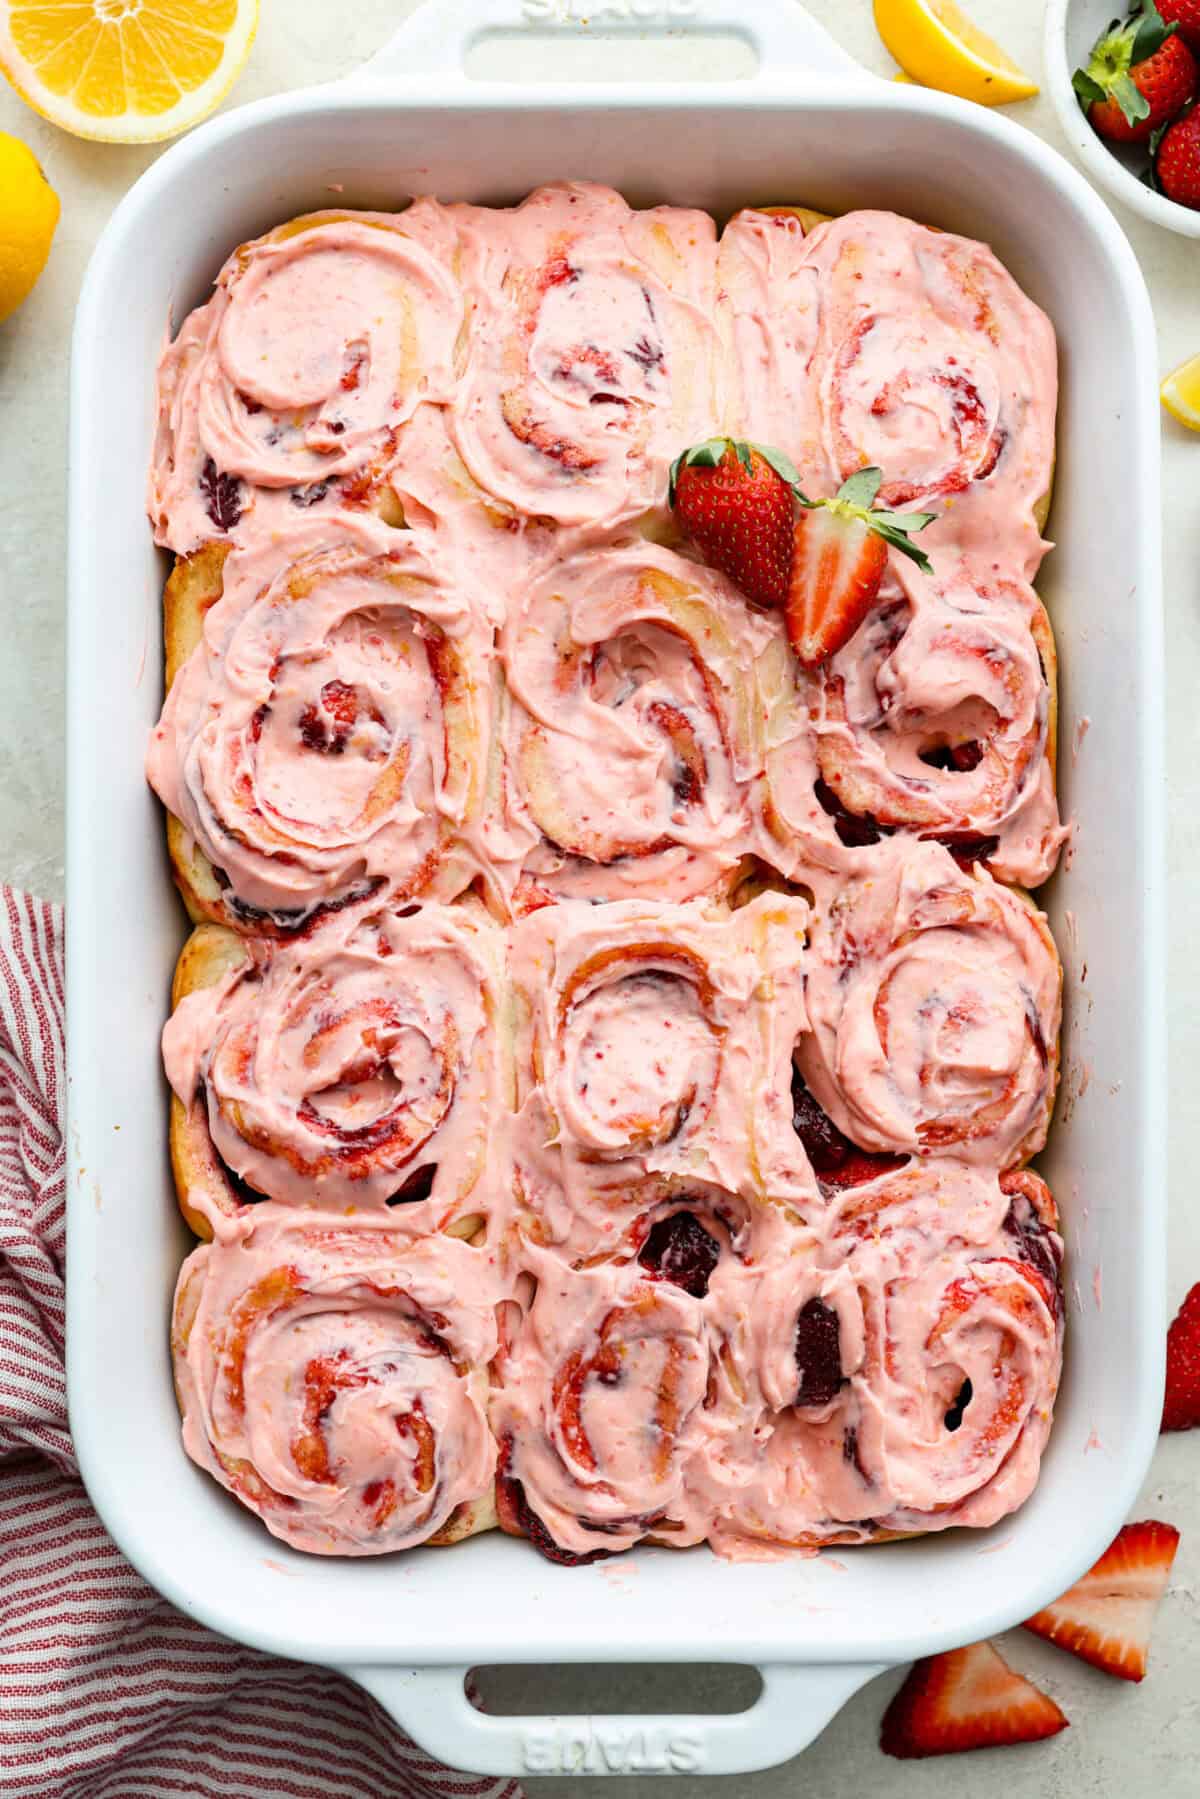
(510, 386)
(349, 1068)
(336, 1379)
(460, 645)
(327, 738)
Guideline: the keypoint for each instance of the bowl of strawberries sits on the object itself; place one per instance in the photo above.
(1127, 93)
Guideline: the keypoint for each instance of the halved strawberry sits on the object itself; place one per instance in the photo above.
(1181, 1408)
(735, 501)
(841, 548)
(966, 1699)
(1106, 1617)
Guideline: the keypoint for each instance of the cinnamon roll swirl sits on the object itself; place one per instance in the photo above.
(938, 718)
(644, 1043)
(600, 1408)
(335, 1379)
(631, 739)
(362, 1068)
(908, 1371)
(592, 352)
(325, 732)
(293, 382)
(933, 1002)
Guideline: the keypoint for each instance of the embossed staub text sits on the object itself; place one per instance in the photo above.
(608, 1749)
(602, 12)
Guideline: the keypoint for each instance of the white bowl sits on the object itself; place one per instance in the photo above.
(1072, 27)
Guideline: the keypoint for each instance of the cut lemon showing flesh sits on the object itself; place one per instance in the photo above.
(935, 43)
(1180, 393)
(128, 71)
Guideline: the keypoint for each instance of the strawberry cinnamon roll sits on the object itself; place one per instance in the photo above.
(641, 1040)
(335, 1379)
(325, 738)
(291, 384)
(360, 1069)
(631, 737)
(932, 364)
(934, 1003)
(908, 1370)
(938, 718)
(602, 1405)
(592, 351)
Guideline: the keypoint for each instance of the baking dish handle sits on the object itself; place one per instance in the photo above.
(438, 37)
(795, 1704)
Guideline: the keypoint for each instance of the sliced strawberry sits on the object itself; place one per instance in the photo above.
(1181, 1408)
(1106, 1617)
(835, 581)
(1140, 75)
(966, 1699)
(735, 501)
(841, 548)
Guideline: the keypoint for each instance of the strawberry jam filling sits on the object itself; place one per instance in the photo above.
(679, 1249)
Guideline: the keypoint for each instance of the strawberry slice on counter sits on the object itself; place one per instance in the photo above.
(1140, 75)
(823, 564)
(1181, 1408)
(966, 1699)
(1106, 1617)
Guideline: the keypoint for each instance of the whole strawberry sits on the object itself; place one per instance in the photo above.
(1185, 16)
(1140, 75)
(734, 500)
(1177, 161)
(738, 502)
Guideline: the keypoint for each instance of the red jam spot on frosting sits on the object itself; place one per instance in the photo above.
(222, 496)
(818, 1354)
(836, 1162)
(679, 1249)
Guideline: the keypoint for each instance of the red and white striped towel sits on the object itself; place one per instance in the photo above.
(107, 1692)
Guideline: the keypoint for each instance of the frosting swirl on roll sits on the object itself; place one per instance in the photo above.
(646, 1046)
(352, 1069)
(937, 718)
(325, 739)
(592, 355)
(319, 343)
(631, 740)
(334, 1379)
(602, 1405)
(934, 1007)
(908, 1370)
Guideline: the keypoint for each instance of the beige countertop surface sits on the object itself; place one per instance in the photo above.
(1135, 1740)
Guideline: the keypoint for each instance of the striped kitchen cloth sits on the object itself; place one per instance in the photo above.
(107, 1692)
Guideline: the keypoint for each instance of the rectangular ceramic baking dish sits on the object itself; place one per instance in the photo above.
(812, 127)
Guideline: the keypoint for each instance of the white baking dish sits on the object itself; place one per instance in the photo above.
(811, 127)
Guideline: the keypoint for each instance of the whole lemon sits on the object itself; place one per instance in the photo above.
(28, 214)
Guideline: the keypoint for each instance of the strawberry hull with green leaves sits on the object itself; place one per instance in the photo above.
(819, 561)
(1138, 78)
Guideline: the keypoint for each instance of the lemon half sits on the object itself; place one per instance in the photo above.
(129, 71)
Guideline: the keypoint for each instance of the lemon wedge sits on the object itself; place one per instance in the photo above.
(936, 44)
(1180, 393)
(127, 71)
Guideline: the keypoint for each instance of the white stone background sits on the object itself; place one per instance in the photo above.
(1123, 1739)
